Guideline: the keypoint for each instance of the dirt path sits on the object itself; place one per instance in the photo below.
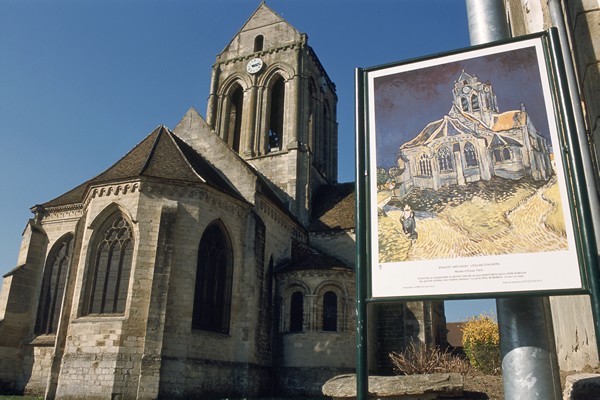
(523, 231)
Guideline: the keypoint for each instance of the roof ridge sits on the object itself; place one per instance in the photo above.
(151, 152)
(171, 135)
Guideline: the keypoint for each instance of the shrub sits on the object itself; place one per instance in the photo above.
(420, 359)
(481, 341)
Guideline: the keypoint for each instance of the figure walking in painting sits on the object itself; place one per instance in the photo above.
(409, 225)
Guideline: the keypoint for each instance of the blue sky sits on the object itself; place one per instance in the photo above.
(82, 82)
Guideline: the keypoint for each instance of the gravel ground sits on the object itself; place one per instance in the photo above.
(489, 387)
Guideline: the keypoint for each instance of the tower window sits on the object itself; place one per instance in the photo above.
(330, 312)
(464, 104)
(109, 274)
(214, 275)
(235, 119)
(274, 140)
(53, 286)
(475, 103)
(259, 42)
(296, 312)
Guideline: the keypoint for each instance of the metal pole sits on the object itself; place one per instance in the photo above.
(528, 362)
(558, 21)
(362, 367)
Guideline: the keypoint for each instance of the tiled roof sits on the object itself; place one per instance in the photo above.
(160, 155)
(334, 208)
(509, 120)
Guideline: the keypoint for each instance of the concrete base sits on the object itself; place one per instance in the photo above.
(409, 387)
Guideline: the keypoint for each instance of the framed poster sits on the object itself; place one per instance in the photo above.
(467, 183)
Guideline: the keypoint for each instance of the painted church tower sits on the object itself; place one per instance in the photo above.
(476, 98)
(273, 103)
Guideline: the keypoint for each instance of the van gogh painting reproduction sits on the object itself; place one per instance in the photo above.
(467, 173)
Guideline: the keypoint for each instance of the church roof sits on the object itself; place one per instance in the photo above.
(160, 155)
(509, 120)
(334, 208)
(444, 127)
(499, 140)
(305, 257)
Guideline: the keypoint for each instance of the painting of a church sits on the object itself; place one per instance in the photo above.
(473, 142)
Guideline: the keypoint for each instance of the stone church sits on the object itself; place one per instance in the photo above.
(473, 142)
(213, 259)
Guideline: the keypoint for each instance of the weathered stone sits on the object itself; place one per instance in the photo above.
(421, 387)
(582, 387)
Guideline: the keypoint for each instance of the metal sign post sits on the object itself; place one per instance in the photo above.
(529, 367)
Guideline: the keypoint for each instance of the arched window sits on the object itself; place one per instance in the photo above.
(445, 159)
(259, 42)
(475, 103)
(330, 312)
(275, 138)
(214, 276)
(234, 130)
(324, 139)
(53, 286)
(464, 104)
(424, 165)
(112, 258)
(297, 312)
(506, 153)
(497, 155)
(470, 155)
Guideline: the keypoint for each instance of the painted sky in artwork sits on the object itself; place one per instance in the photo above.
(406, 102)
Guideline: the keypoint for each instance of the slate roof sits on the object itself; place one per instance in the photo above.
(160, 155)
(499, 140)
(334, 208)
(444, 127)
(305, 257)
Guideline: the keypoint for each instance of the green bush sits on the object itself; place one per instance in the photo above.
(481, 341)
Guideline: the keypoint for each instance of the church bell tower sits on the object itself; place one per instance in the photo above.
(272, 102)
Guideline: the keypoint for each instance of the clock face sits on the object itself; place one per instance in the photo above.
(254, 65)
(466, 89)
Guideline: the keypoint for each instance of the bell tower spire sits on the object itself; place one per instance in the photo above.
(273, 104)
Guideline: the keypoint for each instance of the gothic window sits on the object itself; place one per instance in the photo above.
(445, 159)
(112, 257)
(470, 155)
(53, 286)
(234, 129)
(325, 138)
(424, 165)
(497, 155)
(297, 312)
(475, 102)
(506, 153)
(259, 42)
(214, 275)
(464, 104)
(330, 312)
(274, 141)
